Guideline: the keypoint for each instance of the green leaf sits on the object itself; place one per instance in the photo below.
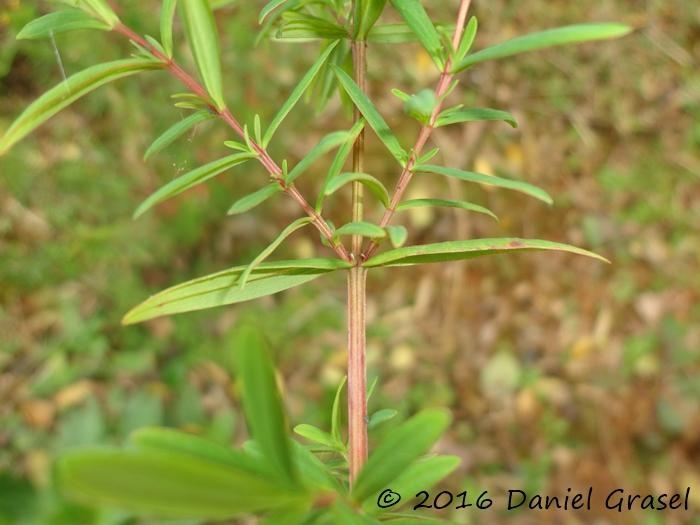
(269, 7)
(573, 34)
(339, 160)
(303, 27)
(219, 288)
(421, 105)
(369, 111)
(168, 485)
(294, 226)
(326, 144)
(458, 250)
(365, 15)
(175, 131)
(417, 203)
(459, 114)
(399, 449)
(397, 235)
(297, 93)
(60, 22)
(168, 440)
(423, 474)
(67, 92)
(102, 10)
(167, 13)
(467, 38)
(381, 416)
(470, 176)
(316, 435)
(335, 412)
(371, 183)
(254, 199)
(391, 34)
(191, 179)
(262, 402)
(365, 229)
(418, 20)
(203, 38)
(343, 515)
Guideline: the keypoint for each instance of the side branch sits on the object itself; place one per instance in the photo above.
(225, 114)
(443, 86)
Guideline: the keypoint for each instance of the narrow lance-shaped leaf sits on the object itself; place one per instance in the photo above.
(317, 435)
(167, 13)
(335, 411)
(397, 235)
(365, 15)
(220, 289)
(168, 485)
(459, 114)
(446, 203)
(294, 226)
(421, 475)
(326, 144)
(573, 34)
(398, 450)
(469, 176)
(191, 179)
(262, 402)
(67, 92)
(269, 7)
(365, 229)
(304, 27)
(339, 161)
(418, 20)
(102, 10)
(371, 183)
(176, 130)
(60, 22)
(467, 38)
(372, 116)
(458, 250)
(391, 34)
(169, 440)
(198, 20)
(254, 199)
(297, 93)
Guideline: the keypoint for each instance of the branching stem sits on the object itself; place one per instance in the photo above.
(225, 114)
(443, 87)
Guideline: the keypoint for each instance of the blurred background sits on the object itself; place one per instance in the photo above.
(560, 372)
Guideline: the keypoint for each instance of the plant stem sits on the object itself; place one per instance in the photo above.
(443, 86)
(357, 373)
(263, 156)
(357, 277)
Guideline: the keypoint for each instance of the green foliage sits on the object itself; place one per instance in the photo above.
(59, 22)
(218, 289)
(67, 92)
(399, 450)
(457, 250)
(560, 36)
(198, 20)
(372, 116)
(422, 26)
(172, 474)
(192, 178)
(469, 176)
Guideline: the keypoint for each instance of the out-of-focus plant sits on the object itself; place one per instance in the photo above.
(336, 480)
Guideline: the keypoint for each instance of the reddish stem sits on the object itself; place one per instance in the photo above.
(441, 90)
(225, 114)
